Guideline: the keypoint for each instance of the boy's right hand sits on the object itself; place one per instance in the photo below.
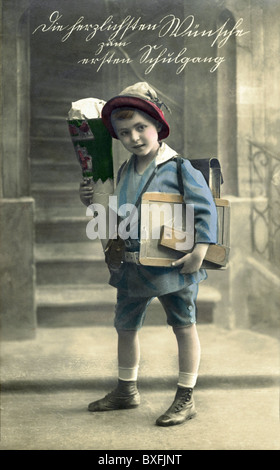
(86, 193)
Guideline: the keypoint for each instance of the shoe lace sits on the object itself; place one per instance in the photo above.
(183, 400)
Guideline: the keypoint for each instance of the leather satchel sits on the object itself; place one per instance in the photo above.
(114, 253)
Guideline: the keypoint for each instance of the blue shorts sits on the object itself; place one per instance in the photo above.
(180, 308)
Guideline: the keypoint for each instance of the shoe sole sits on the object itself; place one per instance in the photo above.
(120, 407)
(165, 425)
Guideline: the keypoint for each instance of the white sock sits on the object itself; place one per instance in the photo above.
(128, 373)
(187, 380)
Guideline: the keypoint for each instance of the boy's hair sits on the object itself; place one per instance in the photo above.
(127, 113)
(123, 113)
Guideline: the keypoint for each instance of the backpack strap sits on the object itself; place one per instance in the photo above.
(137, 203)
(179, 174)
(120, 170)
(146, 186)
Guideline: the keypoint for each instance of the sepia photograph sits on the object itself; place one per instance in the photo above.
(139, 228)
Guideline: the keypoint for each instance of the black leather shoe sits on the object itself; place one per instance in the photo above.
(182, 408)
(125, 396)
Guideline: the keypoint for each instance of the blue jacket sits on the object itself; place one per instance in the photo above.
(150, 281)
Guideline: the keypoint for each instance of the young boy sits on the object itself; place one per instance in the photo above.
(135, 118)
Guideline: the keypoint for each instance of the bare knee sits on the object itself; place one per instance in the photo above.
(182, 331)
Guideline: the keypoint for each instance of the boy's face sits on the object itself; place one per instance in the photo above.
(139, 135)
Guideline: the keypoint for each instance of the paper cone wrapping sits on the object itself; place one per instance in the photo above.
(93, 147)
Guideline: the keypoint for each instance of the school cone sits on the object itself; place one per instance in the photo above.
(93, 147)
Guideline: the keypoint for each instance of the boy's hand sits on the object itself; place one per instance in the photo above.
(86, 193)
(192, 261)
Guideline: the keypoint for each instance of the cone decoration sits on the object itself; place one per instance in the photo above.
(93, 148)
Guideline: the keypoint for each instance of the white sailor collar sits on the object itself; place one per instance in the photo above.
(164, 154)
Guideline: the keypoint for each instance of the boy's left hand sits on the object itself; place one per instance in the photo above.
(192, 261)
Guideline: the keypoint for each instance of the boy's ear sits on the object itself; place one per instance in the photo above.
(159, 126)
